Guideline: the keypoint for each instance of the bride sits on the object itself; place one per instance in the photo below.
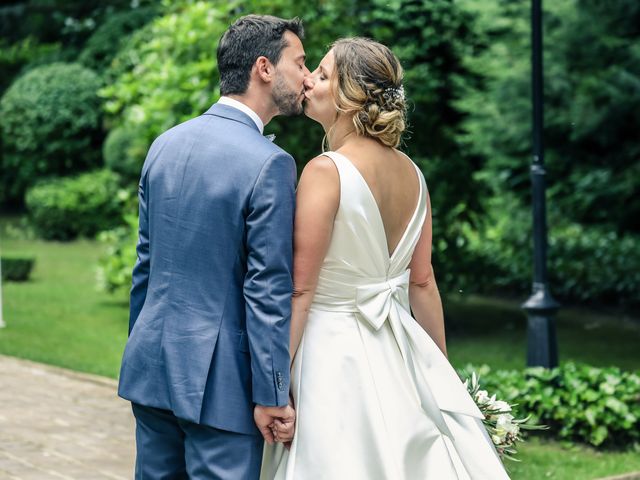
(375, 395)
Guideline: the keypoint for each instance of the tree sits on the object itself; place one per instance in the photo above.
(592, 107)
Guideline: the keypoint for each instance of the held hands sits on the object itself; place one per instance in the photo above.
(276, 424)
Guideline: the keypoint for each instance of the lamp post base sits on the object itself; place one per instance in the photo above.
(542, 344)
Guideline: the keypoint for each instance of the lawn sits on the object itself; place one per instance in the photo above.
(59, 317)
(491, 331)
(548, 459)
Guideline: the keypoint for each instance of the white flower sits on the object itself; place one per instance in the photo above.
(505, 426)
(482, 396)
(513, 429)
(501, 406)
(504, 420)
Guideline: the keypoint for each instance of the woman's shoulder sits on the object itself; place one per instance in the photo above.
(322, 164)
(320, 180)
(320, 172)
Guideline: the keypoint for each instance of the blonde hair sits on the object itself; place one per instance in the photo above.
(367, 83)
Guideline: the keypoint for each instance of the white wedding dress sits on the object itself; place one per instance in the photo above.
(375, 397)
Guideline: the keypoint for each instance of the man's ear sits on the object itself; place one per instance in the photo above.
(264, 69)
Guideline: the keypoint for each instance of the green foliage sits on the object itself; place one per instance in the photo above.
(49, 125)
(13, 57)
(600, 406)
(115, 266)
(60, 21)
(112, 35)
(585, 263)
(123, 152)
(16, 268)
(592, 106)
(168, 74)
(595, 264)
(64, 208)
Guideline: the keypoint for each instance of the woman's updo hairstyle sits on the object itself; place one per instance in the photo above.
(368, 85)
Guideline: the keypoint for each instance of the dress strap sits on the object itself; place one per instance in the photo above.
(342, 164)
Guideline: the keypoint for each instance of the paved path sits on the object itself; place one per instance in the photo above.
(59, 424)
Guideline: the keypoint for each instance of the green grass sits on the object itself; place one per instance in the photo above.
(59, 317)
(491, 331)
(549, 459)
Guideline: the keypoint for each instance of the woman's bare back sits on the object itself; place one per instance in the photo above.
(393, 182)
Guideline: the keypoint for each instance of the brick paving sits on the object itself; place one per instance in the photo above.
(60, 424)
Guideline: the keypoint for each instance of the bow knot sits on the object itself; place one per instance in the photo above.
(374, 300)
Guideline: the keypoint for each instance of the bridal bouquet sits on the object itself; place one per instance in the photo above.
(503, 428)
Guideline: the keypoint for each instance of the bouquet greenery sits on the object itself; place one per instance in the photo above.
(504, 429)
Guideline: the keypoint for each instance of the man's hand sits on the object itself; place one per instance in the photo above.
(266, 418)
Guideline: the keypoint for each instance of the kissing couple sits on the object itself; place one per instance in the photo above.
(283, 333)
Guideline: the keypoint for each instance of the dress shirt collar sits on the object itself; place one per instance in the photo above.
(232, 102)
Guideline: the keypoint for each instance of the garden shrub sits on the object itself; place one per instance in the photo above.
(124, 151)
(50, 125)
(600, 406)
(585, 263)
(16, 267)
(115, 266)
(64, 208)
(15, 56)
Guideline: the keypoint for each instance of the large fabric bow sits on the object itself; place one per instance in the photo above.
(374, 301)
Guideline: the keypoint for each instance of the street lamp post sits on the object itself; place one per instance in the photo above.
(542, 348)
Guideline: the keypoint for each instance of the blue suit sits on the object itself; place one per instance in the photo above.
(211, 294)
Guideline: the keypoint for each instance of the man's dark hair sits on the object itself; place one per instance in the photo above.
(247, 39)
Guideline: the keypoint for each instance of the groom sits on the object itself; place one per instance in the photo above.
(206, 366)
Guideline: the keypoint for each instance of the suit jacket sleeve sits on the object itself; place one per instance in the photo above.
(140, 276)
(268, 284)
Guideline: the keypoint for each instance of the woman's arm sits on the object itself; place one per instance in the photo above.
(317, 201)
(423, 290)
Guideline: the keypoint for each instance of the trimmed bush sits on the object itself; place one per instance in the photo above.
(50, 125)
(64, 208)
(600, 406)
(16, 268)
(124, 151)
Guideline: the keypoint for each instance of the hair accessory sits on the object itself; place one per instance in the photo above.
(393, 93)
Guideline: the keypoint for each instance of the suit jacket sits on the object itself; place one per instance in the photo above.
(211, 293)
